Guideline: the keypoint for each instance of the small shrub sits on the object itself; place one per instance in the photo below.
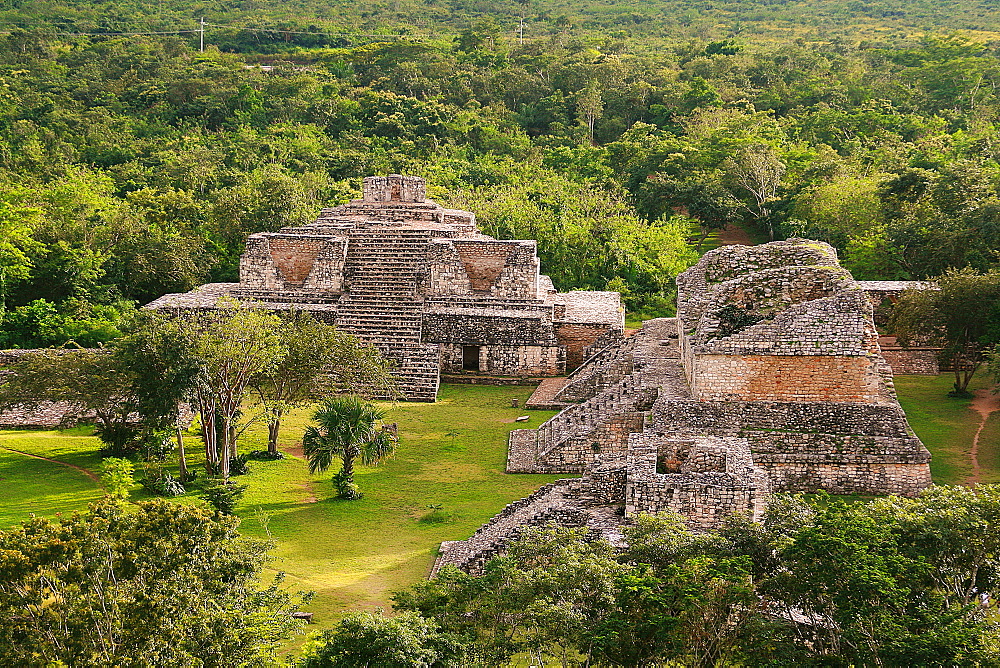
(164, 485)
(119, 439)
(156, 447)
(223, 496)
(238, 465)
(264, 456)
(117, 476)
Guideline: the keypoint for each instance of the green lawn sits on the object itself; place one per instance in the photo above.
(947, 426)
(34, 486)
(351, 554)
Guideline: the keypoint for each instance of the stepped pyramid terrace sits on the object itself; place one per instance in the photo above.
(423, 285)
(770, 379)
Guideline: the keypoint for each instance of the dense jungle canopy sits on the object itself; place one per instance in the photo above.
(614, 133)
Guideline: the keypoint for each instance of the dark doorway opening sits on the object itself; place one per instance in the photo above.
(470, 358)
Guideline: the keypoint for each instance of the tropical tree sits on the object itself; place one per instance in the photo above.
(233, 344)
(371, 639)
(348, 429)
(318, 360)
(158, 583)
(962, 316)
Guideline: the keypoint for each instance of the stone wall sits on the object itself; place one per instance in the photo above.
(279, 262)
(785, 378)
(483, 266)
(576, 338)
(38, 415)
(506, 360)
(484, 326)
(913, 361)
(712, 479)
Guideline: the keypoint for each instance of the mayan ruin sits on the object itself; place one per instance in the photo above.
(423, 285)
(770, 379)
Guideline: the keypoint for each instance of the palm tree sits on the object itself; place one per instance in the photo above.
(349, 429)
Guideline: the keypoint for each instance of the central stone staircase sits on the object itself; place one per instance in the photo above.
(381, 306)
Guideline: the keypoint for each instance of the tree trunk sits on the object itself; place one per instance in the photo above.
(347, 472)
(182, 460)
(224, 450)
(272, 434)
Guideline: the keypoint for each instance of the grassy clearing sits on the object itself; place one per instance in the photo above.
(947, 426)
(34, 486)
(351, 554)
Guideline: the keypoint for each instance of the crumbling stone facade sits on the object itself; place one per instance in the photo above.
(421, 284)
(770, 379)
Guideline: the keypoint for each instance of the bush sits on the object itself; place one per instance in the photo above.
(117, 476)
(264, 456)
(223, 496)
(119, 439)
(371, 639)
(156, 447)
(238, 465)
(164, 484)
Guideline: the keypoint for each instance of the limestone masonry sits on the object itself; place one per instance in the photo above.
(423, 285)
(770, 379)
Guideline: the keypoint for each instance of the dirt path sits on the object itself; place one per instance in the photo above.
(984, 403)
(82, 470)
(733, 235)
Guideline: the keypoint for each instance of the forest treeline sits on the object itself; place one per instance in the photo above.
(132, 166)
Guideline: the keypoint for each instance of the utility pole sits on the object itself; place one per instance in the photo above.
(201, 35)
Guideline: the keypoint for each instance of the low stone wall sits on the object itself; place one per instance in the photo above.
(844, 475)
(694, 417)
(912, 361)
(44, 415)
(479, 379)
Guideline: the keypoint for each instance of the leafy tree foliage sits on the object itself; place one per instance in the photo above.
(371, 639)
(894, 581)
(161, 584)
(963, 317)
(319, 360)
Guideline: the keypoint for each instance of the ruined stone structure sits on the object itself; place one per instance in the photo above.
(423, 285)
(770, 379)
(916, 360)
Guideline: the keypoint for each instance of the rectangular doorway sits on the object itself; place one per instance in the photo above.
(470, 358)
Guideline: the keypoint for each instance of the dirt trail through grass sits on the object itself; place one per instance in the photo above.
(82, 470)
(984, 403)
